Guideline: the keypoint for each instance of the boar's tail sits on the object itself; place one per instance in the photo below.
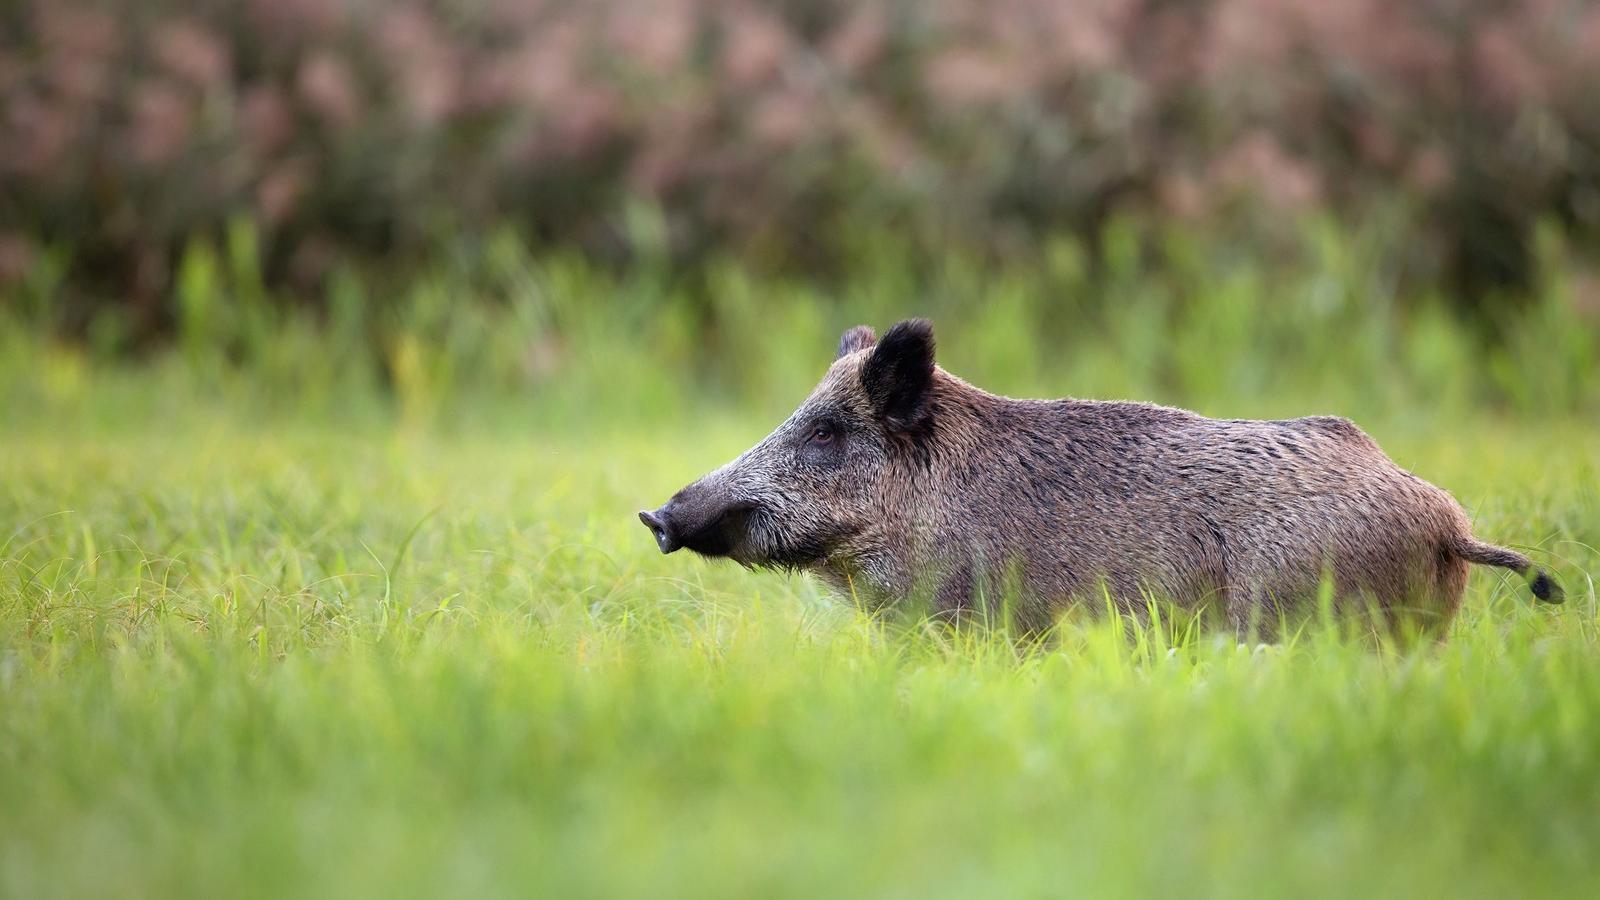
(1539, 581)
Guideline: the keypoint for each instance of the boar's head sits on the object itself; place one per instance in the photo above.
(830, 481)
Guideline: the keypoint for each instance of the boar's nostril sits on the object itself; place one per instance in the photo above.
(657, 524)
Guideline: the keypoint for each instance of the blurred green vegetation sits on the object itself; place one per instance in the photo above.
(500, 326)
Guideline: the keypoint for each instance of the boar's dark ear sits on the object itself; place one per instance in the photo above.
(898, 376)
(858, 338)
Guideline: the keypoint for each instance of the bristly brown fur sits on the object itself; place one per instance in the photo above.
(929, 486)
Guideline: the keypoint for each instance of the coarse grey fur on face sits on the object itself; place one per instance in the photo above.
(896, 479)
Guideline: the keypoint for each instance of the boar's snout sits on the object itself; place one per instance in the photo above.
(699, 519)
(657, 523)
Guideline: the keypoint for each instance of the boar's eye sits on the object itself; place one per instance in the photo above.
(822, 443)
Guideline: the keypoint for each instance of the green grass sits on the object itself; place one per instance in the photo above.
(269, 655)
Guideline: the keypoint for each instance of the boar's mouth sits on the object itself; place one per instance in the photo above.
(798, 553)
(771, 543)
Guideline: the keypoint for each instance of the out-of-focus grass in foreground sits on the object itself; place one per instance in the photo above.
(240, 657)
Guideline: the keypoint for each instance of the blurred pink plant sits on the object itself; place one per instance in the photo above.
(421, 63)
(860, 40)
(341, 123)
(17, 257)
(655, 36)
(162, 120)
(782, 118)
(329, 89)
(755, 46)
(280, 190)
(266, 119)
(1258, 167)
(972, 77)
(189, 51)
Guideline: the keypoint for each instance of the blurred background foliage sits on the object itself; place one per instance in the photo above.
(1185, 200)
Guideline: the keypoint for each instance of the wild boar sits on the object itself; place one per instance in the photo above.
(897, 479)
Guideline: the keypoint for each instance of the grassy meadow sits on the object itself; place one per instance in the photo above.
(272, 624)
